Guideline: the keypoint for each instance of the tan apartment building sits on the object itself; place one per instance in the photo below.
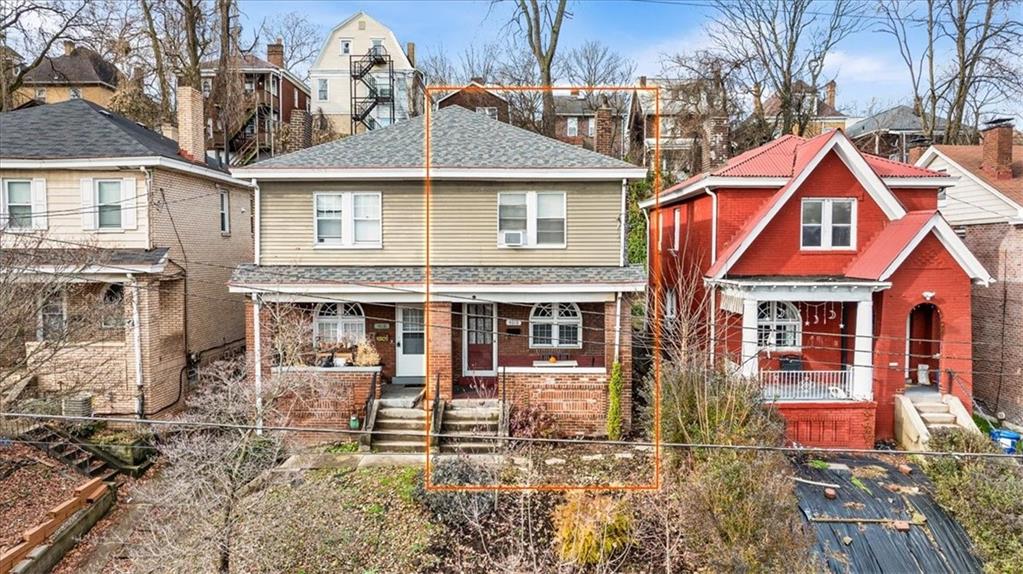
(131, 237)
(364, 79)
(525, 299)
(78, 73)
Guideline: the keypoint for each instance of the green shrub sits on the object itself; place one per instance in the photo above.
(614, 403)
(591, 529)
(984, 495)
(459, 508)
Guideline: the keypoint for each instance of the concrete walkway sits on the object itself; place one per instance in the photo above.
(313, 461)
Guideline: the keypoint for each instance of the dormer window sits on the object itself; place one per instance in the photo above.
(828, 224)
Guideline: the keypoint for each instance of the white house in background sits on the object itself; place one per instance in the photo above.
(363, 79)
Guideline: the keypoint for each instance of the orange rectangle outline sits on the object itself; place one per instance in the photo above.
(655, 319)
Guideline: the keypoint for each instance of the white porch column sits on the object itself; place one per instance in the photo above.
(749, 365)
(863, 355)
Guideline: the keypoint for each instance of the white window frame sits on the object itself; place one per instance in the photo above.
(827, 205)
(40, 329)
(249, 84)
(591, 128)
(118, 318)
(670, 304)
(341, 46)
(5, 204)
(773, 323)
(348, 221)
(677, 214)
(295, 97)
(119, 203)
(74, 93)
(225, 212)
(348, 317)
(275, 84)
(322, 89)
(532, 216)
(41, 94)
(572, 126)
(207, 87)
(556, 321)
(489, 111)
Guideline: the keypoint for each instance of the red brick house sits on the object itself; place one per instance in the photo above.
(986, 206)
(476, 97)
(831, 278)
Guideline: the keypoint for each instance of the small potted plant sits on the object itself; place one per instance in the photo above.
(366, 354)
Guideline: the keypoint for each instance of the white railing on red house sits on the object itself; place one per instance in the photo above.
(806, 385)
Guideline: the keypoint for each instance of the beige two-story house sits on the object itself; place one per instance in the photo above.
(493, 268)
(126, 240)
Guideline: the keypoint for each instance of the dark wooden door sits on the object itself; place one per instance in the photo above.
(479, 336)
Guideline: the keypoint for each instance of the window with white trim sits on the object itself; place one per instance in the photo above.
(207, 87)
(555, 326)
(18, 203)
(321, 89)
(41, 94)
(779, 325)
(489, 111)
(108, 203)
(828, 224)
(346, 46)
(677, 228)
(75, 93)
(343, 323)
(592, 129)
(670, 304)
(349, 219)
(225, 211)
(539, 216)
(572, 126)
(52, 316)
(112, 303)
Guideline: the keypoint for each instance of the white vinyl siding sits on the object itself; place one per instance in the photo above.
(969, 201)
(347, 219)
(540, 215)
(828, 224)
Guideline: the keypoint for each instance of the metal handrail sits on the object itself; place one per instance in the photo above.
(367, 416)
(437, 407)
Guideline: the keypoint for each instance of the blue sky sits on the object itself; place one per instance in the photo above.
(866, 66)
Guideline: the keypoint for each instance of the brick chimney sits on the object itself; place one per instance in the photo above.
(829, 90)
(758, 102)
(410, 51)
(997, 149)
(275, 53)
(642, 81)
(714, 150)
(301, 125)
(915, 152)
(69, 46)
(604, 132)
(191, 124)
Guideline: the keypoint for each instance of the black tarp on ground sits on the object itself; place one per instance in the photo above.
(935, 543)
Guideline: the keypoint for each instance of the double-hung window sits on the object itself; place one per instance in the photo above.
(346, 46)
(531, 219)
(592, 129)
(555, 326)
(52, 316)
(828, 224)
(321, 89)
(349, 219)
(225, 212)
(489, 111)
(108, 203)
(572, 127)
(18, 202)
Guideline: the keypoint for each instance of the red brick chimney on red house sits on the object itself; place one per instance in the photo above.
(997, 149)
(275, 53)
(191, 124)
(603, 139)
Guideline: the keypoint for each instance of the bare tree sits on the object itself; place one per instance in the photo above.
(540, 22)
(439, 69)
(518, 68)
(301, 38)
(970, 58)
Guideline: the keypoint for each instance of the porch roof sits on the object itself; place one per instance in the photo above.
(87, 260)
(799, 288)
(631, 278)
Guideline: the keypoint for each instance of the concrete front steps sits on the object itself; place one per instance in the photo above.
(465, 420)
(920, 412)
(401, 429)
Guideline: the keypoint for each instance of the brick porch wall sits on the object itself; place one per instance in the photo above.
(577, 401)
(324, 399)
(830, 424)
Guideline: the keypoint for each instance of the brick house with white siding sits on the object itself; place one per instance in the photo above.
(526, 297)
(159, 230)
(986, 206)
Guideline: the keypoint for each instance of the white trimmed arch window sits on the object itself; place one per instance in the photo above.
(779, 325)
(339, 323)
(555, 326)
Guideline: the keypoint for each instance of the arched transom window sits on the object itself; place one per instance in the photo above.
(778, 325)
(339, 323)
(555, 325)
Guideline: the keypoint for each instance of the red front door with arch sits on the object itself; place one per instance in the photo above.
(923, 346)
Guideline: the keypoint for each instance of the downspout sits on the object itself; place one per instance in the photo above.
(256, 222)
(621, 247)
(713, 225)
(712, 295)
(257, 358)
(618, 325)
(148, 174)
(136, 319)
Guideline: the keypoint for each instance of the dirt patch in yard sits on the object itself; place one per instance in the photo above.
(30, 485)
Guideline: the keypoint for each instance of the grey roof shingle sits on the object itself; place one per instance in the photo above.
(101, 256)
(81, 66)
(79, 129)
(899, 118)
(249, 274)
(459, 138)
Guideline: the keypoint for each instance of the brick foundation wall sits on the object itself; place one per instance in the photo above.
(324, 399)
(577, 401)
(830, 425)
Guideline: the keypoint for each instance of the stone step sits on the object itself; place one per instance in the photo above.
(940, 426)
(931, 407)
(938, 418)
(400, 424)
(469, 424)
(924, 397)
(472, 414)
(399, 413)
(467, 447)
(398, 446)
(473, 403)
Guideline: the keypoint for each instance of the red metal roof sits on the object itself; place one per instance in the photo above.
(887, 246)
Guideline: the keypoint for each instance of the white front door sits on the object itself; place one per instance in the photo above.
(410, 342)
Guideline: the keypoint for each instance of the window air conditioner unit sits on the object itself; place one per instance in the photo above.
(513, 238)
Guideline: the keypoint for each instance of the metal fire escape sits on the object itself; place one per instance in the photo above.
(368, 90)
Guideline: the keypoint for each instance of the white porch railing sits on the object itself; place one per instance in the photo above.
(806, 385)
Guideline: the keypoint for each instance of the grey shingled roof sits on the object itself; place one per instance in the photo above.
(104, 256)
(81, 66)
(459, 138)
(899, 118)
(249, 274)
(79, 129)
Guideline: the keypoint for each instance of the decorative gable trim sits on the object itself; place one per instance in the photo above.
(955, 246)
(851, 157)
